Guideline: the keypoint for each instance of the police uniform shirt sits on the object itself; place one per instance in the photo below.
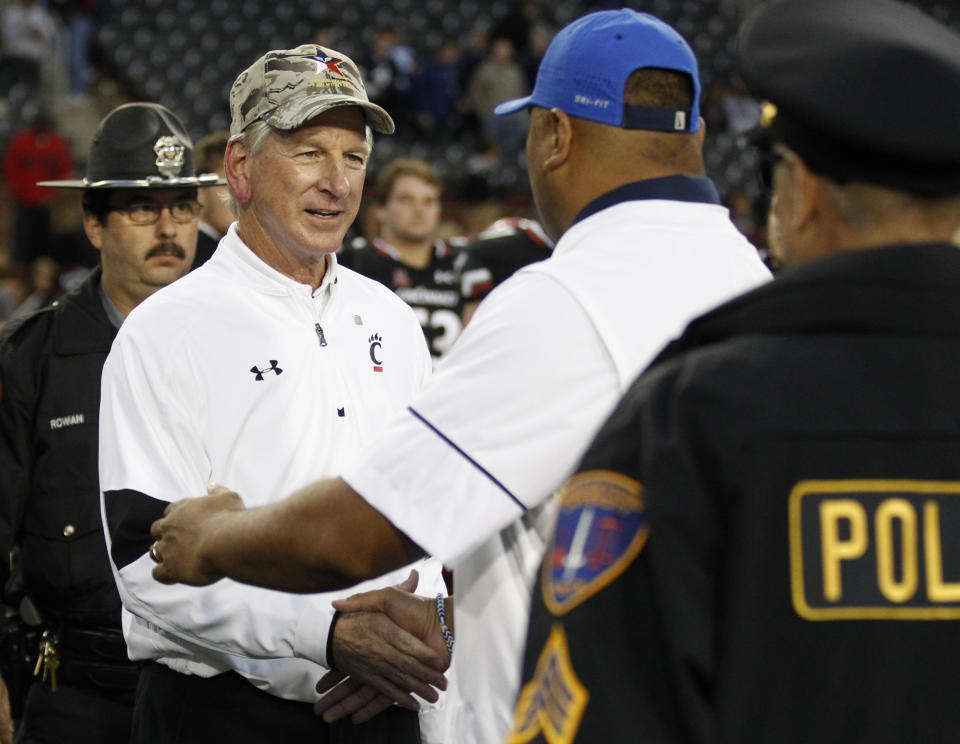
(762, 543)
(239, 375)
(510, 410)
(50, 365)
(433, 291)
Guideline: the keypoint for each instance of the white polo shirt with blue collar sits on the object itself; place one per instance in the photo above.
(466, 470)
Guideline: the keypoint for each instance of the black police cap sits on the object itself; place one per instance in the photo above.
(865, 90)
(140, 145)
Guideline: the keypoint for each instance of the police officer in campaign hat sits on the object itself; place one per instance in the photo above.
(140, 212)
(761, 543)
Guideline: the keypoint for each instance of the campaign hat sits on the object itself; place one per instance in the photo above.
(862, 90)
(288, 87)
(588, 62)
(140, 145)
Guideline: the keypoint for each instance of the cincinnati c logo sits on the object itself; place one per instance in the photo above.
(375, 350)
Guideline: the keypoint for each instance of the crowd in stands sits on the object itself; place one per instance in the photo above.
(437, 66)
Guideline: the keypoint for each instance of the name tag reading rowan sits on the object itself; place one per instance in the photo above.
(875, 549)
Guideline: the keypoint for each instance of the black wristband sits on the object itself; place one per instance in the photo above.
(333, 624)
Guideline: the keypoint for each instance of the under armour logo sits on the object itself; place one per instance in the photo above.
(261, 372)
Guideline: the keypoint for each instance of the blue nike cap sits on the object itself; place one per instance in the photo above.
(587, 65)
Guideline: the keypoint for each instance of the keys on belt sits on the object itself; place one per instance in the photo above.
(48, 658)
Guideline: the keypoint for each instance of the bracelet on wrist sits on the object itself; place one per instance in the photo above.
(444, 630)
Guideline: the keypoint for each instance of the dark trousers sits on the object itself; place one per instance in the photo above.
(174, 708)
(75, 714)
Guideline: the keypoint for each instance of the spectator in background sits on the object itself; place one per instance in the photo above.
(37, 153)
(515, 25)
(323, 34)
(472, 53)
(12, 291)
(741, 111)
(387, 69)
(29, 34)
(407, 255)
(44, 283)
(436, 93)
(216, 214)
(539, 38)
(79, 16)
(499, 78)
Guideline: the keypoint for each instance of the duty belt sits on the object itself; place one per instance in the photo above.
(85, 657)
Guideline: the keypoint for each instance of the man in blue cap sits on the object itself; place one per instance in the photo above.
(779, 492)
(614, 154)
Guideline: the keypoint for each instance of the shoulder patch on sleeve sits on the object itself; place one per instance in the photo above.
(601, 527)
(554, 700)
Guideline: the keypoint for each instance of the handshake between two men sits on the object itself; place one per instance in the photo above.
(386, 645)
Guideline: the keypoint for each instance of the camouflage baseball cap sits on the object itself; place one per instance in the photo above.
(287, 87)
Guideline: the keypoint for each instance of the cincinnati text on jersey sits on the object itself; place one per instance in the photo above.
(875, 549)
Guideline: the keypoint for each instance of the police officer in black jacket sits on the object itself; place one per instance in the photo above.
(763, 542)
(140, 212)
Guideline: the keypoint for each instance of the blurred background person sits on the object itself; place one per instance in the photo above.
(30, 37)
(499, 78)
(36, 153)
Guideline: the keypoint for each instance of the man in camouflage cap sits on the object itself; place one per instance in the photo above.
(267, 370)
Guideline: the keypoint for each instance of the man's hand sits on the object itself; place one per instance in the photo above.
(6, 719)
(179, 536)
(376, 644)
(349, 698)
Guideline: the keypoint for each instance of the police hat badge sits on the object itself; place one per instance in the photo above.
(140, 145)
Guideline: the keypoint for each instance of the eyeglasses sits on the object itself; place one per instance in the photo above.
(148, 212)
(767, 159)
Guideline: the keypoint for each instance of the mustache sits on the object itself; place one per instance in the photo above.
(167, 248)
